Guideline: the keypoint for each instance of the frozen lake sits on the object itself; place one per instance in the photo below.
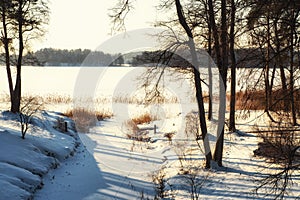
(113, 82)
(92, 82)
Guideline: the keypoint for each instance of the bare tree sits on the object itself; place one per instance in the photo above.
(117, 17)
(221, 50)
(280, 20)
(197, 82)
(232, 67)
(22, 21)
(220, 41)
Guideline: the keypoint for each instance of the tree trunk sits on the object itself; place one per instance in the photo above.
(267, 68)
(268, 89)
(232, 69)
(210, 80)
(222, 59)
(6, 43)
(294, 119)
(197, 80)
(17, 91)
(281, 68)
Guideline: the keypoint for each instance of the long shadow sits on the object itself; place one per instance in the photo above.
(112, 185)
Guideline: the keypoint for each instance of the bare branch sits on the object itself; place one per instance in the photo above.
(119, 13)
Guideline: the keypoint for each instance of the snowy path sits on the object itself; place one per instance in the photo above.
(108, 169)
(102, 170)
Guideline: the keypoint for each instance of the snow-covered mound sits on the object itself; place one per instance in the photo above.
(23, 162)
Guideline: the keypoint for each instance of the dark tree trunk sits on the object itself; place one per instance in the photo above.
(268, 89)
(197, 80)
(267, 68)
(210, 74)
(210, 81)
(222, 61)
(17, 90)
(292, 26)
(6, 43)
(232, 69)
(278, 63)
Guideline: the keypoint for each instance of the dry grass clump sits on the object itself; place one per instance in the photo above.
(169, 136)
(127, 100)
(57, 99)
(85, 112)
(140, 136)
(256, 100)
(131, 126)
(86, 118)
(103, 115)
(144, 118)
(134, 132)
(135, 100)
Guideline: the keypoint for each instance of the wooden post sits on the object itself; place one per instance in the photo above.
(66, 127)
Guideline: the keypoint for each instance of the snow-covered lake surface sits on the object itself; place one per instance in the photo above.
(109, 165)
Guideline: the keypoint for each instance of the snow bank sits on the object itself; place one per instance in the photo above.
(24, 162)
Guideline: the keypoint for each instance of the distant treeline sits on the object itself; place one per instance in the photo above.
(64, 57)
(245, 58)
(77, 57)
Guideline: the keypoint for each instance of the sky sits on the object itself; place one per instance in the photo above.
(85, 23)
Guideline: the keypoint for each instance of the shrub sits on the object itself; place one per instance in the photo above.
(134, 133)
(86, 118)
(29, 106)
(144, 118)
(281, 146)
(169, 136)
(279, 141)
(103, 115)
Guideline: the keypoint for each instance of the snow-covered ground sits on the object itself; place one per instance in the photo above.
(112, 167)
(23, 162)
(105, 164)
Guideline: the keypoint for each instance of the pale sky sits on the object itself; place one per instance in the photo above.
(85, 23)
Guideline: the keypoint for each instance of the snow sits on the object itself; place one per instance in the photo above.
(24, 162)
(105, 164)
(108, 168)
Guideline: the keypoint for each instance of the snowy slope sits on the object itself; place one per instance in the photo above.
(23, 163)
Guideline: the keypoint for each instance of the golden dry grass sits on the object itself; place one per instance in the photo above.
(256, 100)
(86, 118)
(144, 118)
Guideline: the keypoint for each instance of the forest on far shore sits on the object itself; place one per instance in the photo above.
(246, 58)
(65, 57)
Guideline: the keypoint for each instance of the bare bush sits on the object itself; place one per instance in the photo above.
(195, 182)
(192, 128)
(169, 136)
(180, 150)
(280, 146)
(279, 139)
(160, 183)
(29, 107)
(134, 133)
(141, 136)
(130, 127)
